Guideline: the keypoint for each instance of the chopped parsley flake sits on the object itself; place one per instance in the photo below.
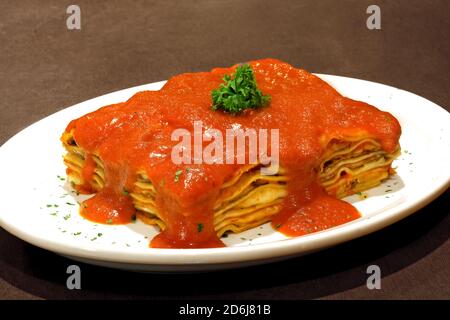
(66, 217)
(177, 175)
(362, 195)
(200, 227)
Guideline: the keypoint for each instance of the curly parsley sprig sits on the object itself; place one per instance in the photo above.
(239, 92)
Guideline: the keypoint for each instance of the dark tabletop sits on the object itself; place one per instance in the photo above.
(44, 68)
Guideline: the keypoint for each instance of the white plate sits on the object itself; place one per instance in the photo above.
(31, 162)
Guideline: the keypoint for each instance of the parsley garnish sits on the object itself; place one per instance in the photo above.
(109, 221)
(200, 227)
(125, 192)
(239, 92)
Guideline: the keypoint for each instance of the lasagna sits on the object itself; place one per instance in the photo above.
(330, 146)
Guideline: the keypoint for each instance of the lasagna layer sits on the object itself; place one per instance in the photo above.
(249, 199)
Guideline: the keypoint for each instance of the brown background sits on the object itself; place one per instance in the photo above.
(44, 67)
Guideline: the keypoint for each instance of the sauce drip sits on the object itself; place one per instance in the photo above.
(135, 136)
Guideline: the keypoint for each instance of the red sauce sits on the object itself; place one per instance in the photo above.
(107, 207)
(317, 211)
(135, 135)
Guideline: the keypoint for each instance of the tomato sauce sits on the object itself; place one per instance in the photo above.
(136, 135)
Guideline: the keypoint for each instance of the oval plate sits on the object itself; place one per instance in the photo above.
(39, 206)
